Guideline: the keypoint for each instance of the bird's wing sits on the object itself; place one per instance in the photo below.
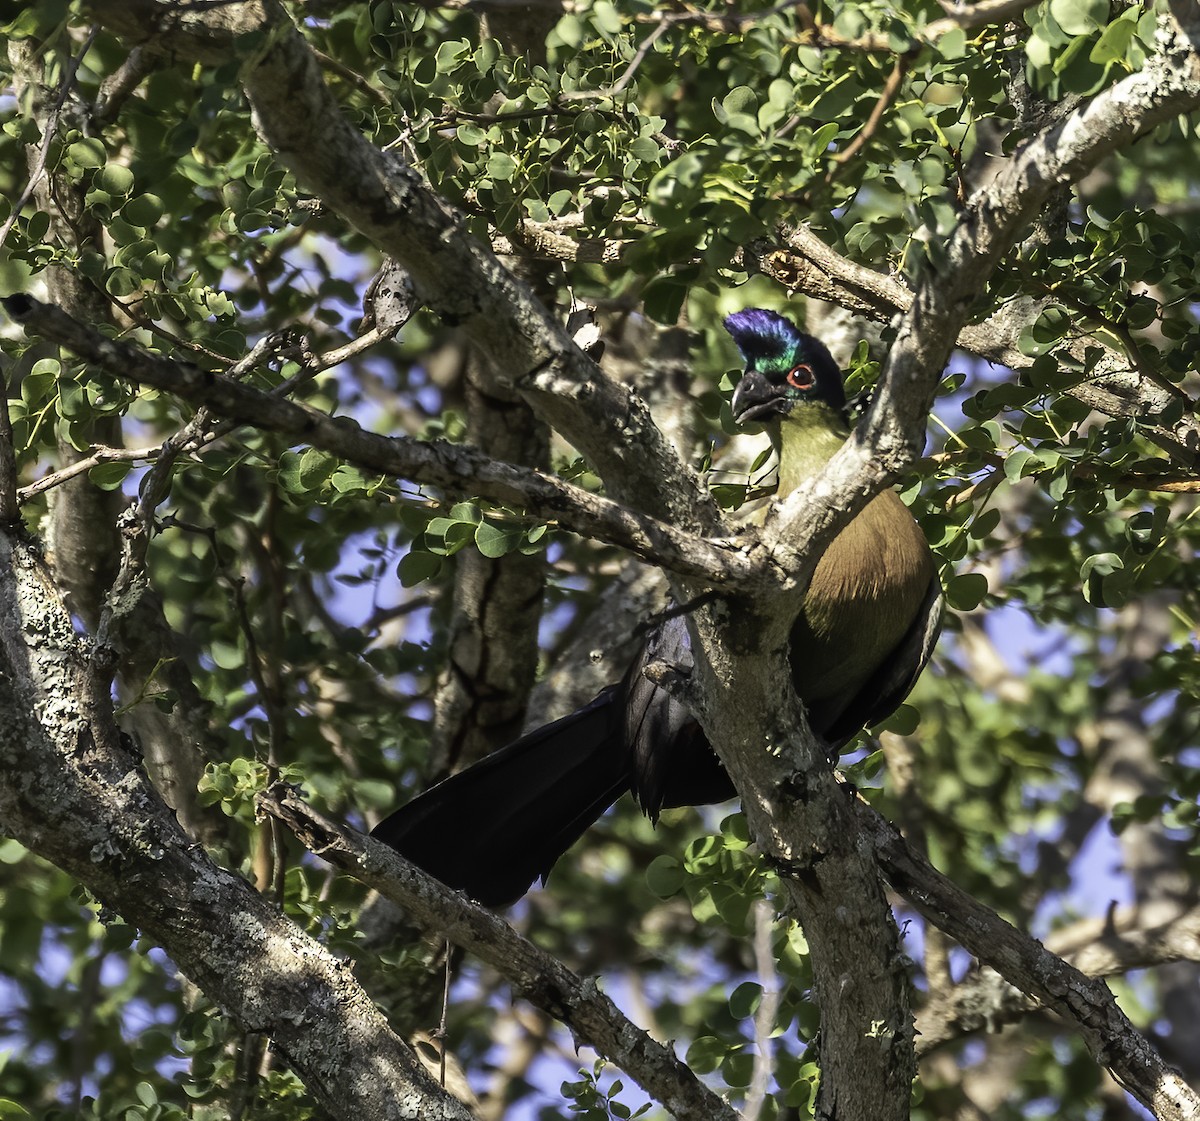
(883, 691)
(672, 761)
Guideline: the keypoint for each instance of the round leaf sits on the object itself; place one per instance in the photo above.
(966, 592)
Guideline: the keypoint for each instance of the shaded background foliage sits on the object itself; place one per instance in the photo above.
(629, 158)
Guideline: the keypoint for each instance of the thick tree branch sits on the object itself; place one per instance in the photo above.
(1098, 947)
(493, 631)
(458, 470)
(799, 816)
(74, 792)
(82, 537)
(889, 438)
(1086, 1004)
(795, 810)
(543, 980)
(455, 275)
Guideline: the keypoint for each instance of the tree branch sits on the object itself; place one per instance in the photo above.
(890, 435)
(542, 979)
(74, 792)
(455, 275)
(1086, 1004)
(459, 470)
(1098, 947)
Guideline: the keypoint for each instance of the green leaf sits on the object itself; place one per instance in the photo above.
(314, 468)
(501, 166)
(122, 282)
(1101, 564)
(227, 655)
(1079, 17)
(705, 1054)
(740, 99)
(570, 30)
(143, 210)
(1053, 323)
(953, 44)
(115, 178)
(1141, 311)
(1014, 464)
(966, 591)
(348, 480)
(1146, 529)
(737, 1068)
(905, 720)
(496, 541)
(451, 54)
(745, 999)
(289, 472)
(38, 226)
(665, 876)
(1114, 42)
(1105, 580)
(645, 148)
(89, 153)
(466, 512)
(663, 299)
(447, 535)
(72, 404)
(109, 476)
(984, 524)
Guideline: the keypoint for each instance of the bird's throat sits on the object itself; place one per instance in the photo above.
(808, 437)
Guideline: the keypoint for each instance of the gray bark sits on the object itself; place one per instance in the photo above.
(74, 792)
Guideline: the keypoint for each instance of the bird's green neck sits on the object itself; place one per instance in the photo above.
(808, 437)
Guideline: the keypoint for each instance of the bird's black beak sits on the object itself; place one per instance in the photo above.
(754, 398)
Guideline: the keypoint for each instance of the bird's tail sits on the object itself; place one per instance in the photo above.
(493, 829)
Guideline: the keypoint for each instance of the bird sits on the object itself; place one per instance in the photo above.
(868, 625)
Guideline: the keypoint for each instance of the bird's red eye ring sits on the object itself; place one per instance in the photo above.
(800, 376)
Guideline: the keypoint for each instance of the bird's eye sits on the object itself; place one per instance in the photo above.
(800, 376)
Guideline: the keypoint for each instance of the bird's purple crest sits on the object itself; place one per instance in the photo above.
(761, 334)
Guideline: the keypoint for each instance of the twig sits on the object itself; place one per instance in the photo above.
(1122, 331)
(441, 1033)
(890, 88)
(619, 85)
(120, 84)
(1171, 484)
(99, 455)
(352, 77)
(764, 1017)
(1100, 947)
(266, 667)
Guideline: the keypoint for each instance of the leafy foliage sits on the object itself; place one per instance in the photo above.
(314, 601)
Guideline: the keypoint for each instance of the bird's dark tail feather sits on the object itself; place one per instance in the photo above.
(493, 829)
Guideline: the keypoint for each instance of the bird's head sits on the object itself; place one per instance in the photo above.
(786, 370)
